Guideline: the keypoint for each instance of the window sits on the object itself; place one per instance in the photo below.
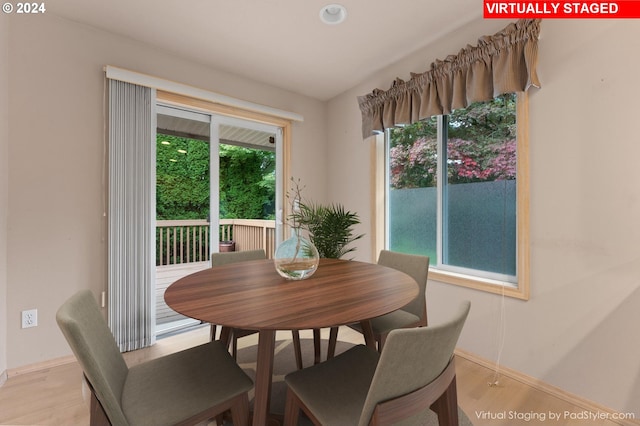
(456, 190)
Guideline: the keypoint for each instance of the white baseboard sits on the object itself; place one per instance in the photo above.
(539, 385)
(39, 366)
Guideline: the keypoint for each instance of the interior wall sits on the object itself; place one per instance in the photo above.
(56, 233)
(577, 331)
(4, 186)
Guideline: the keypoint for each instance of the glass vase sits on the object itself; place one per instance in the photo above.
(296, 258)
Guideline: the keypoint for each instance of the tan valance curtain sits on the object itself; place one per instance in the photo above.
(502, 63)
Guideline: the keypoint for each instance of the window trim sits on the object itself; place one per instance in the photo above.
(378, 231)
(192, 92)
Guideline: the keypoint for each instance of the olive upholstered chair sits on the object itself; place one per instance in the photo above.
(185, 387)
(413, 377)
(414, 314)
(225, 258)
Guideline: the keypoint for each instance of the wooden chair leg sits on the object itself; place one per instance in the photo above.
(240, 410)
(333, 340)
(97, 416)
(213, 332)
(297, 348)
(234, 347)
(447, 406)
(316, 346)
(382, 338)
(220, 419)
(291, 410)
(225, 336)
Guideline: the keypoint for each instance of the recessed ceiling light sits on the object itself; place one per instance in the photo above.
(333, 14)
(182, 151)
(165, 143)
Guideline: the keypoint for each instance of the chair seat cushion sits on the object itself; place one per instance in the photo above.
(175, 387)
(335, 390)
(391, 321)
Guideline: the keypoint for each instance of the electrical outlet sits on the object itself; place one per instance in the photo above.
(29, 318)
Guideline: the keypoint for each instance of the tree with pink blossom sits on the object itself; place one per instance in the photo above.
(481, 146)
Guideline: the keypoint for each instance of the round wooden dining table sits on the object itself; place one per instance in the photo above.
(252, 295)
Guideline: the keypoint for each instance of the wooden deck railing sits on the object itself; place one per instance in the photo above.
(250, 234)
(182, 247)
(187, 241)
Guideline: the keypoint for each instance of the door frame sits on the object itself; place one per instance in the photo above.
(216, 121)
(283, 150)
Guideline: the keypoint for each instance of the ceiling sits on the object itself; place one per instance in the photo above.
(227, 134)
(280, 42)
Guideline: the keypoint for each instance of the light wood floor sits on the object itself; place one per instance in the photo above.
(54, 396)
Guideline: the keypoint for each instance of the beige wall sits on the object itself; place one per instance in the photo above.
(579, 329)
(4, 187)
(56, 229)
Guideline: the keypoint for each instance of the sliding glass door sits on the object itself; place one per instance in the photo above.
(218, 181)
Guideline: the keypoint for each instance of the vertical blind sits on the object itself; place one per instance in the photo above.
(131, 213)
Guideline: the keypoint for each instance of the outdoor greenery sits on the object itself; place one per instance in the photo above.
(247, 183)
(182, 176)
(247, 180)
(481, 146)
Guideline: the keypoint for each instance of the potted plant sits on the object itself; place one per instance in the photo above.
(330, 227)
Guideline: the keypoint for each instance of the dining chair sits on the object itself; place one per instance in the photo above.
(218, 259)
(414, 314)
(414, 373)
(185, 387)
(225, 258)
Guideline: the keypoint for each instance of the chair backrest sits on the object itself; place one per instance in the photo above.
(225, 258)
(418, 268)
(412, 358)
(94, 346)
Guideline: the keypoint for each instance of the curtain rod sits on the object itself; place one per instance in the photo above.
(146, 80)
